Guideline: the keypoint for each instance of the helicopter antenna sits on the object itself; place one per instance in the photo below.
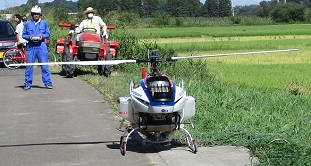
(148, 64)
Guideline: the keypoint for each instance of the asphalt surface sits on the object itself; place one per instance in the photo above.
(71, 125)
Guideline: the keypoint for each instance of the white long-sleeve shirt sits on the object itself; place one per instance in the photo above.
(19, 32)
(97, 23)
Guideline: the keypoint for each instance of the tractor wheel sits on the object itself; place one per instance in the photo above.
(106, 69)
(68, 70)
(100, 67)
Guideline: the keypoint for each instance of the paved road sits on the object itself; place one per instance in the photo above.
(72, 125)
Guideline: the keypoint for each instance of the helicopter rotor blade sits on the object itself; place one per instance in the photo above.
(231, 54)
(85, 63)
(116, 62)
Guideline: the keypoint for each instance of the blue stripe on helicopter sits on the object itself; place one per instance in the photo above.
(153, 103)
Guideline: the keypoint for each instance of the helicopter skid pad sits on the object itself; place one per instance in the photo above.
(165, 142)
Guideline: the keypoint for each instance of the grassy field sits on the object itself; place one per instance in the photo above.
(273, 70)
(229, 31)
(260, 101)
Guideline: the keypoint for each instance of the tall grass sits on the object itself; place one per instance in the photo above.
(272, 124)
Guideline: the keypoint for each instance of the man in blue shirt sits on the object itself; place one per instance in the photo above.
(36, 31)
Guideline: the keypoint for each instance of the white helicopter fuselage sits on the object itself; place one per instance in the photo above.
(160, 101)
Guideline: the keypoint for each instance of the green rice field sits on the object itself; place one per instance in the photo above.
(272, 70)
(226, 31)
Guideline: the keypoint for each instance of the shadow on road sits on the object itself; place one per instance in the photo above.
(58, 143)
(134, 144)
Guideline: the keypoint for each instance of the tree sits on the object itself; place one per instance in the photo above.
(252, 10)
(225, 8)
(150, 7)
(83, 4)
(177, 8)
(212, 8)
(109, 5)
(68, 6)
(204, 9)
(170, 6)
(32, 2)
(287, 12)
(266, 8)
(194, 8)
(181, 10)
(294, 1)
(218, 8)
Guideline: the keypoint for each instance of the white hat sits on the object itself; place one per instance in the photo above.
(89, 10)
(36, 9)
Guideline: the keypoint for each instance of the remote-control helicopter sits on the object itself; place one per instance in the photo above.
(157, 106)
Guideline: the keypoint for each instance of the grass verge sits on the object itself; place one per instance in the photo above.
(273, 124)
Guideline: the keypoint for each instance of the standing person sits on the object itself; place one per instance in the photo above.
(17, 19)
(93, 22)
(19, 31)
(35, 32)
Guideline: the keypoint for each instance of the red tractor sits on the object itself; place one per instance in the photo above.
(89, 47)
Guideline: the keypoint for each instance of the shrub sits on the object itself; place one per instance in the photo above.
(236, 20)
(179, 22)
(161, 19)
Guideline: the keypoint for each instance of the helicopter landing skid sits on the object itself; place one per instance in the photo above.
(165, 142)
(125, 137)
(192, 144)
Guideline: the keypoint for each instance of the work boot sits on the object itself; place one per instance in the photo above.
(49, 86)
(27, 88)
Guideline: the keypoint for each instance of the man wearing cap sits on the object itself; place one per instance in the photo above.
(36, 31)
(93, 22)
(19, 31)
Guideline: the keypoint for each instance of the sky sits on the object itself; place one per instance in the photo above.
(12, 3)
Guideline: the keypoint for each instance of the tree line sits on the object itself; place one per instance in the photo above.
(277, 10)
(151, 8)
